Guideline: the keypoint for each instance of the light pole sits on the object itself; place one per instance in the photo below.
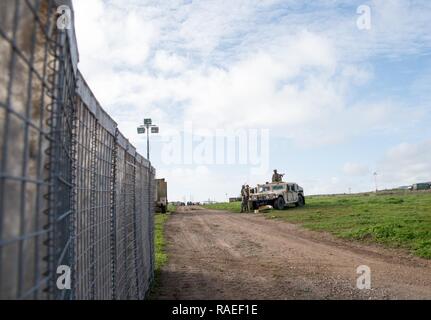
(145, 128)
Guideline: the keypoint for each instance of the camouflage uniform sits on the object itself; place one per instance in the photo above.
(276, 177)
(243, 198)
(247, 200)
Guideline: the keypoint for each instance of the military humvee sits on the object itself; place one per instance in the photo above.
(278, 195)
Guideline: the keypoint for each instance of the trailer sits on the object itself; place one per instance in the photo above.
(161, 195)
(421, 186)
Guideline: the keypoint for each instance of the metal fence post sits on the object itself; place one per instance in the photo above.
(73, 199)
(135, 230)
(93, 212)
(53, 151)
(113, 229)
(151, 188)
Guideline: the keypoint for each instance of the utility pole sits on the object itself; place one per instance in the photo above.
(145, 128)
(375, 181)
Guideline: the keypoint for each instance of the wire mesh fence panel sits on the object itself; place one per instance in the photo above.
(84, 177)
(73, 191)
(105, 144)
(122, 284)
(62, 159)
(27, 62)
(142, 273)
(151, 182)
(144, 218)
(130, 226)
(125, 211)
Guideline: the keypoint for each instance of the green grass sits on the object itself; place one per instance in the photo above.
(396, 220)
(234, 207)
(160, 244)
(160, 249)
(171, 208)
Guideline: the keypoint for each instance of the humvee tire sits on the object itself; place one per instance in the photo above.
(301, 201)
(254, 205)
(279, 203)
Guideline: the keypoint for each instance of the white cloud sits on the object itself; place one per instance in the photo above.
(206, 23)
(169, 63)
(112, 40)
(250, 64)
(406, 163)
(401, 165)
(198, 184)
(260, 90)
(355, 169)
(273, 75)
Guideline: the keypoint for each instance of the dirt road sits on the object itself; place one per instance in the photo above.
(217, 255)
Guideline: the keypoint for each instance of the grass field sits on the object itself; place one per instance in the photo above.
(160, 248)
(171, 207)
(396, 220)
(234, 207)
(161, 257)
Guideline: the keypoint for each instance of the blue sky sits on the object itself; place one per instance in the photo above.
(339, 103)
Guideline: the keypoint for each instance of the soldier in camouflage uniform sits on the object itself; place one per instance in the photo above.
(277, 177)
(243, 199)
(247, 192)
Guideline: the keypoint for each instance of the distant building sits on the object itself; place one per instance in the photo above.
(404, 188)
(422, 186)
(209, 202)
(236, 199)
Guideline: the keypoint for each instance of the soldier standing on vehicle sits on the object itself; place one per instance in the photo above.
(277, 177)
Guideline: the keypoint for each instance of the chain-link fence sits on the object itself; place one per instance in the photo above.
(73, 191)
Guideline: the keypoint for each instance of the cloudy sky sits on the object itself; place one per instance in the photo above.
(329, 103)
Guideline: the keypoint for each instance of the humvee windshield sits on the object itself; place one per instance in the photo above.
(278, 187)
(264, 188)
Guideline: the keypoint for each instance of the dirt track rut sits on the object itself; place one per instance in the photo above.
(218, 255)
